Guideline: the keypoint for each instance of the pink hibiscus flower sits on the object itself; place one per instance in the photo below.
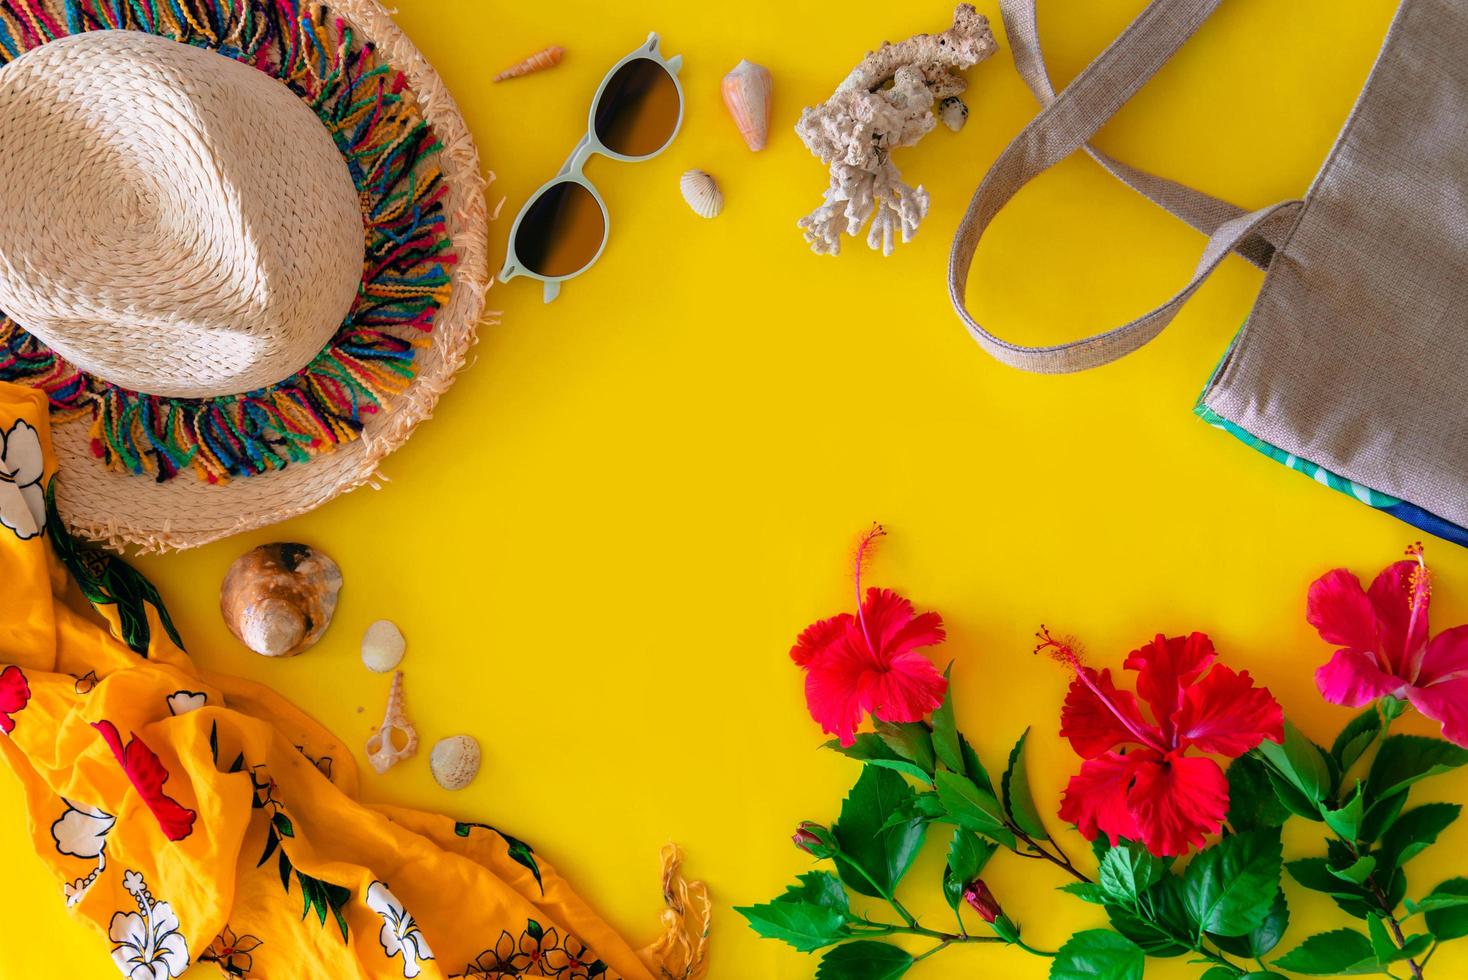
(869, 663)
(145, 771)
(1384, 646)
(1153, 781)
(15, 694)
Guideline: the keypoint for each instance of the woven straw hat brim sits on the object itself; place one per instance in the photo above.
(119, 508)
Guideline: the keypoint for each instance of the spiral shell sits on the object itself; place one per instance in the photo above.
(279, 598)
(539, 61)
(395, 739)
(747, 96)
(455, 761)
(383, 646)
(701, 193)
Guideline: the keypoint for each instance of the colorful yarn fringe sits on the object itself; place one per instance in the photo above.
(392, 156)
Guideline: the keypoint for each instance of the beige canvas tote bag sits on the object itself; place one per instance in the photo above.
(1351, 365)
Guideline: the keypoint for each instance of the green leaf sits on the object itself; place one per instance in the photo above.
(945, 732)
(1431, 903)
(1151, 937)
(1355, 738)
(1357, 871)
(973, 766)
(1098, 954)
(1086, 891)
(1414, 831)
(806, 927)
(1252, 803)
(884, 855)
(1229, 888)
(910, 740)
(967, 855)
(1301, 762)
(1264, 937)
(1019, 802)
(1343, 951)
(1127, 870)
(1292, 799)
(864, 960)
(1346, 819)
(818, 888)
(283, 824)
(1405, 759)
(874, 750)
(1160, 925)
(1381, 940)
(1452, 922)
(1381, 815)
(972, 807)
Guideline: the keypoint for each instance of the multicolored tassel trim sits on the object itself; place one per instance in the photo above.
(393, 159)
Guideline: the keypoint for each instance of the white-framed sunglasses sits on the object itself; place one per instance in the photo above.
(562, 229)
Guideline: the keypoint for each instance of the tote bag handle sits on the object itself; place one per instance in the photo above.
(1064, 125)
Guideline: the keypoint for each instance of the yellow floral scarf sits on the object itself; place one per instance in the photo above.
(195, 817)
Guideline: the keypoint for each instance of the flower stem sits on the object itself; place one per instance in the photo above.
(888, 896)
(1060, 859)
(1396, 927)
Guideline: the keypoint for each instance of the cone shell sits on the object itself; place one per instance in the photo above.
(279, 598)
(383, 646)
(701, 193)
(395, 739)
(455, 761)
(539, 61)
(747, 96)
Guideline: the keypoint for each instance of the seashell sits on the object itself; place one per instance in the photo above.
(395, 739)
(455, 761)
(278, 598)
(539, 61)
(747, 96)
(382, 646)
(701, 193)
(953, 112)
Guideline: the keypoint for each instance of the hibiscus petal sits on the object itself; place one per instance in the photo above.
(145, 770)
(1352, 679)
(1178, 803)
(1092, 727)
(1446, 702)
(908, 690)
(892, 626)
(1446, 656)
(1225, 714)
(1095, 798)
(818, 637)
(1166, 666)
(1402, 624)
(833, 693)
(1341, 612)
(15, 693)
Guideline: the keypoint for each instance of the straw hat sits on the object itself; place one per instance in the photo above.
(243, 267)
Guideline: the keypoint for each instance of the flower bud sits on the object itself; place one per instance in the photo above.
(983, 901)
(815, 840)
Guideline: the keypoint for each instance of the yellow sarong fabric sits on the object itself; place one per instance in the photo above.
(195, 817)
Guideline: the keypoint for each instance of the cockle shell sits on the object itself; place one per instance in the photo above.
(539, 61)
(383, 646)
(279, 598)
(395, 739)
(701, 193)
(747, 96)
(455, 761)
(953, 112)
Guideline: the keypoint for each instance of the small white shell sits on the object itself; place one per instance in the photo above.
(382, 646)
(953, 112)
(455, 761)
(701, 193)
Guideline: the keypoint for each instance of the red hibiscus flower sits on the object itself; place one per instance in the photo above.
(1139, 780)
(1384, 646)
(868, 663)
(15, 694)
(147, 775)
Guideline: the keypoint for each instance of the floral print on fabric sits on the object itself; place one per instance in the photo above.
(400, 934)
(149, 945)
(232, 953)
(182, 702)
(15, 694)
(22, 501)
(82, 832)
(537, 952)
(146, 773)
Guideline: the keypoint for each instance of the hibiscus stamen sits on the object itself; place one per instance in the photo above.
(1063, 650)
(863, 553)
(1419, 590)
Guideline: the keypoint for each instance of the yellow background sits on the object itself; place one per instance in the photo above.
(603, 544)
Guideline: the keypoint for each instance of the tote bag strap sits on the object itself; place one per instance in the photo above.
(1203, 212)
(1063, 126)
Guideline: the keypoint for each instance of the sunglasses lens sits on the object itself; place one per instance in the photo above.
(638, 110)
(561, 232)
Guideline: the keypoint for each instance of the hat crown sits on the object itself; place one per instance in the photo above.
(175, 222)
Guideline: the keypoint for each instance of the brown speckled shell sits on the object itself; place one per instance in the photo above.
(279, 598)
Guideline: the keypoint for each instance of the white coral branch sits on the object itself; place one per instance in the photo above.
(855, 131)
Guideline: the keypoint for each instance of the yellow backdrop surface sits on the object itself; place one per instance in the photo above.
(603, 544)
